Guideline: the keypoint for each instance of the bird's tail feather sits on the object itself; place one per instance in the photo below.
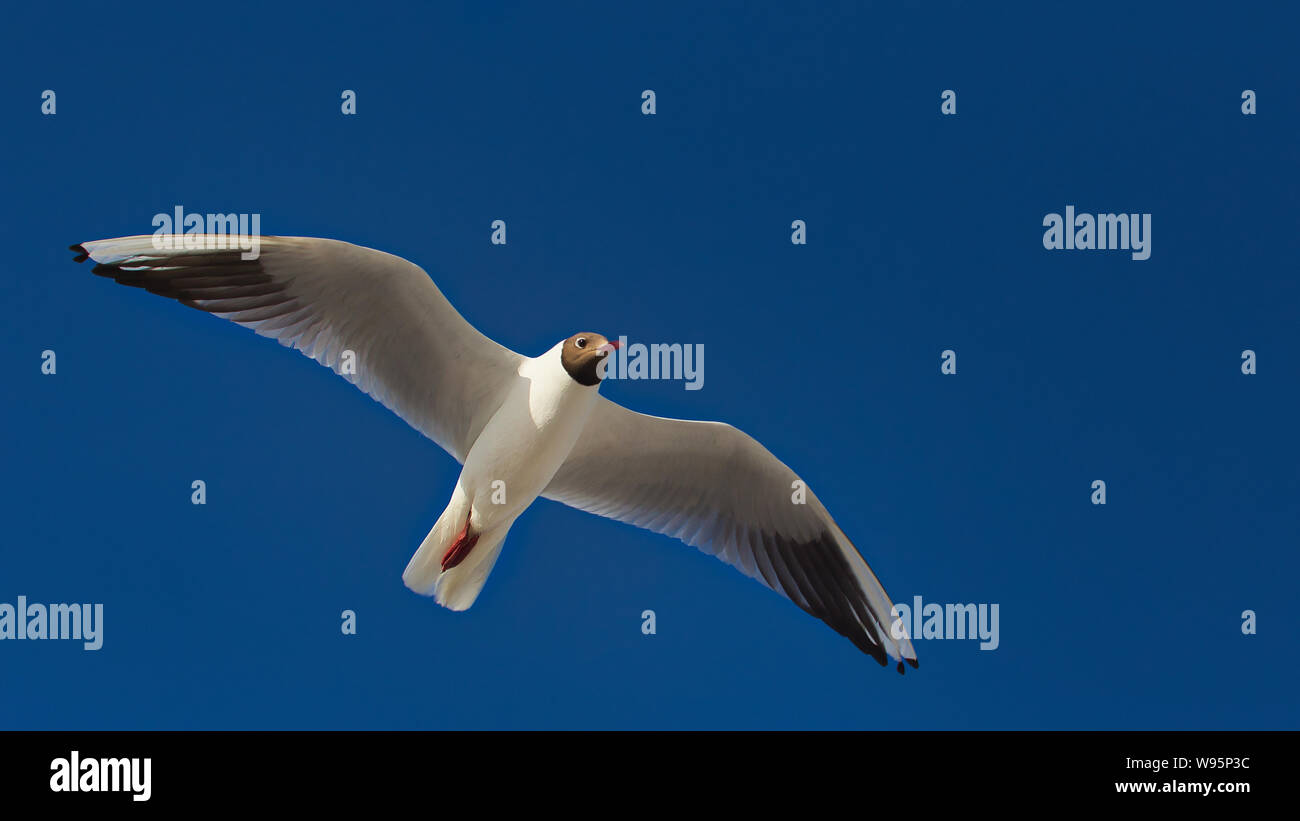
(456, 587)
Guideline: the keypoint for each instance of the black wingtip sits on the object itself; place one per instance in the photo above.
(901, 668)
(915, 664)
(82, 253)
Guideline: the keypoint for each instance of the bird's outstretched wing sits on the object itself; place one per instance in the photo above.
(409, 347)
(717, 489)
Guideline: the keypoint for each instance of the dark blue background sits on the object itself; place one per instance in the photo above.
(924, 234)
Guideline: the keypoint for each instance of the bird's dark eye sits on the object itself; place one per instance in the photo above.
(582, 342)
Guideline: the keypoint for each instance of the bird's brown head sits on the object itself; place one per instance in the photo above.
(582, 355)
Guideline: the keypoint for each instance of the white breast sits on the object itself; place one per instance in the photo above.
(527, 440)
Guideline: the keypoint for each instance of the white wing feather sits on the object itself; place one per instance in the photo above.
(413, 351)
(717, 489)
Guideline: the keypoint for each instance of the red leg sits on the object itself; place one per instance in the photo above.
(460, 547)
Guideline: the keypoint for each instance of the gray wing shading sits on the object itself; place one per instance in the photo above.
(410, 349)
(719, 490)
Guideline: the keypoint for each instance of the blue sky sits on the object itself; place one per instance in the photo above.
(924, 234)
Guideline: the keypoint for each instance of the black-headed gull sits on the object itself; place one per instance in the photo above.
(521, 427)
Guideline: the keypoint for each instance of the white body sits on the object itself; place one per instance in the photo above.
(513, 460)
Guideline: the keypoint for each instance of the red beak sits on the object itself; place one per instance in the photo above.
(613, 344)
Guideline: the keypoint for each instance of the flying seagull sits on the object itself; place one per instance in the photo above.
(537, 424)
